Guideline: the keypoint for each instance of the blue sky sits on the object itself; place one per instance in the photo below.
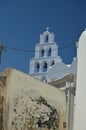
(22, 21)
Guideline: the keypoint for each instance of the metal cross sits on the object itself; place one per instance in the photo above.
(47, 28)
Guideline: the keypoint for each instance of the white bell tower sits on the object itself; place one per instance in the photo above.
(46, 55)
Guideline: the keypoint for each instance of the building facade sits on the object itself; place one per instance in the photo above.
(46, 55)
(68, 85)
(46, 64)
(59, 70)
(80, 107)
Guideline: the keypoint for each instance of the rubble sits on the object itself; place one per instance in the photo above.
(34, 114)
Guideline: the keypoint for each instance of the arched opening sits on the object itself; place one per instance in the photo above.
(44, 67)
(46, 38)
(37, 67)
(49, 52)
(42, 53)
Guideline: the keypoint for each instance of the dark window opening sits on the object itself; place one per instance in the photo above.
(37, 67)
(42, 53)
(45, 67)
(49, 52)
(46, 40)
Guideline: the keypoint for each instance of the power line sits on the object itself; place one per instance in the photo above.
(67, 41)
(68, 44)
(30, 50)
(17, 49)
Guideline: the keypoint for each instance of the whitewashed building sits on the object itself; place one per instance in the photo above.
(47, 64)
(46, 55)
(80, 104)
(67, 84)
(59, 70)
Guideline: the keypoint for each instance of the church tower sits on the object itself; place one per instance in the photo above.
(46, 55)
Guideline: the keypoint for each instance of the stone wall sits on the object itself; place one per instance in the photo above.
(30, 104)
(34, 113)
(2, 100)
(1, 112)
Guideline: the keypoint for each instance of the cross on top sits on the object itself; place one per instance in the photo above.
(47, 28)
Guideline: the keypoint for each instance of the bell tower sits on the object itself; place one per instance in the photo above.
(46, 55)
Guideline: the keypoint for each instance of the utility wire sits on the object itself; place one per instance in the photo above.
(30, 50)
(65, 46)
(17, 49)
(67, 41)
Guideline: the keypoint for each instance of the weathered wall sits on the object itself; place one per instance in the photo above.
(31, 104)
(2, 101)
(1, 112)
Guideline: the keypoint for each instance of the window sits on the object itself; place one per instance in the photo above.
(45, 67)
(37, 67)
(49, 52)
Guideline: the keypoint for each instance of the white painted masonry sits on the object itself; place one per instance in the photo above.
(46, 55)
(80, 109)
(47, 64)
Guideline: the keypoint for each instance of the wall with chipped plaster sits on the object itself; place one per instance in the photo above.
(26, 96)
